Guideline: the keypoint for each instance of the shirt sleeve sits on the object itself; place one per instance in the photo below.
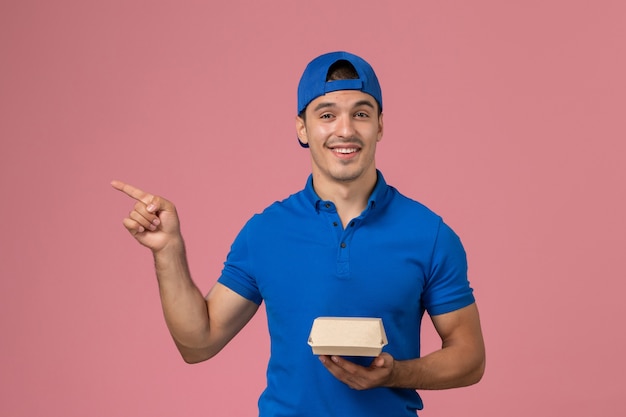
(237, 273)
(447, 286)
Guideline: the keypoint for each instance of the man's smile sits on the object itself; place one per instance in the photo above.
(345, 150)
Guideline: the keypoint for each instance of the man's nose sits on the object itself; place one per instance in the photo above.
(345, 127)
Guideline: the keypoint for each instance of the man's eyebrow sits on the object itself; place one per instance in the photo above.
(328, 104)
(324, 105)
(364, 103)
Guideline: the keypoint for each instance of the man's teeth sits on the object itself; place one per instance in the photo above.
(345, 150)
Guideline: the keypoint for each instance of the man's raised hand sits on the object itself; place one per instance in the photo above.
(153, 220)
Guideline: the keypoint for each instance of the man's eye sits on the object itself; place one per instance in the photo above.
(361, 114)
(326, 116)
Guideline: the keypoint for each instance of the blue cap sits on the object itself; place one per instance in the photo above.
(313, 82)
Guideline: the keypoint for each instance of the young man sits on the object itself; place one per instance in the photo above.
(346, 245)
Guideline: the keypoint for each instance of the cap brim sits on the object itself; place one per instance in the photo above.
(304, 145)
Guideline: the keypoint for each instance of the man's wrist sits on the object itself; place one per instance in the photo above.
(171, 254)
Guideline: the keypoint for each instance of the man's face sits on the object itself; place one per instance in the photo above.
(342, 129)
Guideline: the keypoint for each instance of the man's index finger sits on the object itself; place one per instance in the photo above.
(132, 192)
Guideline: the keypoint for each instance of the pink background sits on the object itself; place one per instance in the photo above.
(507, 118)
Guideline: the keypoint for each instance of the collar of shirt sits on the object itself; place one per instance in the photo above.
(380, 196)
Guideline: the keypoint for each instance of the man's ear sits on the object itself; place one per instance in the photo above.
(380, 128)
(301, 130)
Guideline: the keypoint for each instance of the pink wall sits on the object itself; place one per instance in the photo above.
(506, 119)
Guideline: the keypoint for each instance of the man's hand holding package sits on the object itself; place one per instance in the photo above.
(358, 377)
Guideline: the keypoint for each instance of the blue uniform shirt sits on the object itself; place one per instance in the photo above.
(395, 261)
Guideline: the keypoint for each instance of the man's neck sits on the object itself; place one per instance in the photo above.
(350, 197)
